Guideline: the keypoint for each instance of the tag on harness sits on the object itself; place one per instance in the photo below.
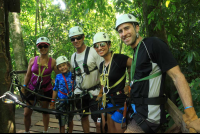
(98, 120)
(131, 84)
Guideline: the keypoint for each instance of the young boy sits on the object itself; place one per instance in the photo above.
(63, 89)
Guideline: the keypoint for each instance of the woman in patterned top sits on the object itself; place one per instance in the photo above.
(63, 89)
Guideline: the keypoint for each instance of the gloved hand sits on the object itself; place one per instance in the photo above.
(127, 90)
(100, 94)
(191, 120)
(52, 105)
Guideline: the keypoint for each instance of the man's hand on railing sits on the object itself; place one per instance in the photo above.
(192, 121)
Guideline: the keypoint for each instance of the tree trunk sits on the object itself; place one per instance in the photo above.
(161, 33)
(170, 87)
(36, 18)
(7, 112)
(18, 45)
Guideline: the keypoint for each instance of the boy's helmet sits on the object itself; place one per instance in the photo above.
(60, 60)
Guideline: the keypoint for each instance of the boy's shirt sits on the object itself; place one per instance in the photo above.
(60, 85)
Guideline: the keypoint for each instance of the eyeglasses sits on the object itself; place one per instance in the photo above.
(40, 46)
(102, 44)
(78, 38)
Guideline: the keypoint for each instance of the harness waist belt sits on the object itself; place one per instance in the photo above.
(42, 86)
(93, 88)
(149, 101)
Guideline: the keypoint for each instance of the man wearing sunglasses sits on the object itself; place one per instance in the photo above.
(152, 61)
(85, 63)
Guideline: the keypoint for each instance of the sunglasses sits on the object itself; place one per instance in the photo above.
(102, 44)
(45, 46)
(78, 38)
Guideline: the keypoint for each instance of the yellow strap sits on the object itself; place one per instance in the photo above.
(104, 77)
(45, 67)
(120, 80)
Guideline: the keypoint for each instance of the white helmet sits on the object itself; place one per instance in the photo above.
(125, 18)
(42, 40)
(60, 60)
(100, 37)
(75, 31)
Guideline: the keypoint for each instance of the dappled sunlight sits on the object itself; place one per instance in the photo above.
(61, 3)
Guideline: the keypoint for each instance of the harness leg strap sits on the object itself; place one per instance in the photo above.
(142, 123)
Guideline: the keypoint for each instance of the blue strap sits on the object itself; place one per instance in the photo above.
(188, 107)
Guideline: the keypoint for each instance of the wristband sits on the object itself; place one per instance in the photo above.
(24, 85)
(188, 107)
(52, 100)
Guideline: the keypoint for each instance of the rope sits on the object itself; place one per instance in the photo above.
(50, 111)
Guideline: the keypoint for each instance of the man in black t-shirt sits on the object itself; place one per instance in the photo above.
(152, 61)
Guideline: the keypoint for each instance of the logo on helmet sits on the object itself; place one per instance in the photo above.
(104, 35)
(63, 58)
(129, 16)
(42, 38)
(79, 29)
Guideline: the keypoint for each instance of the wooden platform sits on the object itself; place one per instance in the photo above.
(37, 124)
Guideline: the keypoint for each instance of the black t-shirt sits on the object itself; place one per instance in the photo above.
(153, 58)
(117, 70)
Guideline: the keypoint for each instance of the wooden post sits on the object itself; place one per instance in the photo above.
(7, 111)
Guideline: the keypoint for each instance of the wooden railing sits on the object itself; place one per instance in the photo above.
(176, 115)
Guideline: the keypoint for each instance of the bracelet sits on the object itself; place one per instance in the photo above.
(188, 107)
(24, 85)
(52, 100)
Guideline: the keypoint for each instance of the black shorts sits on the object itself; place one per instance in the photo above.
(31, 96)
(86, 101)
(64, 119)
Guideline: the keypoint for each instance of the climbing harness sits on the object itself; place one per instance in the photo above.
(148, 101)
(85, 66)
(105, 82)
(133, 67)
(104, 78)
(39, 83)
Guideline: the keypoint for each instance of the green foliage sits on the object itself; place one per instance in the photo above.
(179, 17)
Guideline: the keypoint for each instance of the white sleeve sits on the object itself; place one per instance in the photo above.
(72, 60)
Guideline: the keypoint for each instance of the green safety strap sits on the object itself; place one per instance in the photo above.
(133, 66)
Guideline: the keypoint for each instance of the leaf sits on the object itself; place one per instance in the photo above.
(86, 11)
(169, 38)
(174, 8)
(190, 57)
(167, 3)
(128, 2)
